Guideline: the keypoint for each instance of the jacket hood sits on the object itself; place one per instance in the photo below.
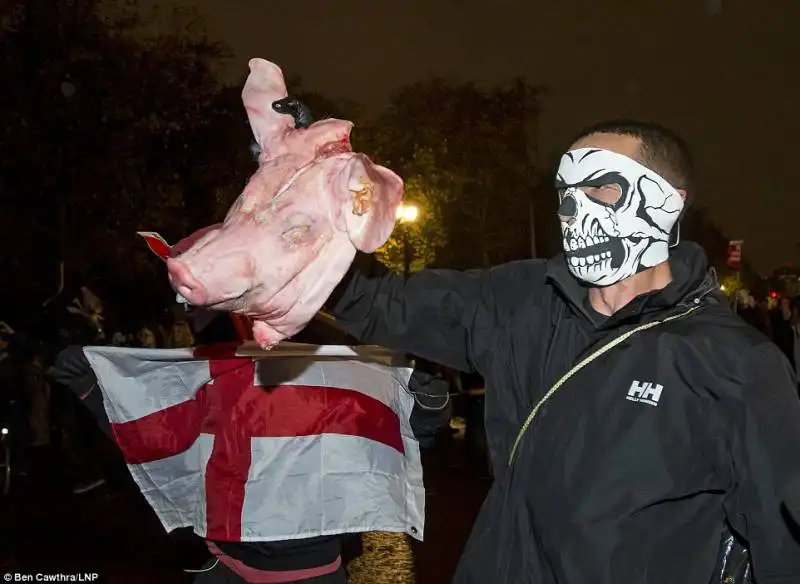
(692, 282)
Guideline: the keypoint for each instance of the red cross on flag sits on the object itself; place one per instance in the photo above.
(246, 445)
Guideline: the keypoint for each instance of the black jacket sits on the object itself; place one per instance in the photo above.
(629, 470)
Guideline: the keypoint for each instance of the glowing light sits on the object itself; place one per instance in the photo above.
(4, 431)
(407, 213)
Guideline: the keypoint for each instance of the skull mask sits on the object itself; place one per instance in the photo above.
(616, 215)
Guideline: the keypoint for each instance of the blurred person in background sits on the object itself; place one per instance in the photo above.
(150, 336)
(77, 435)
(795, 325)
(783, 322)
(181, 335)
(36, 386)
(14, 351)
(754, 313)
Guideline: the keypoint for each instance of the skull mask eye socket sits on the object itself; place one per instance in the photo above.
(608, 194)
(603, 187)
(605, 194)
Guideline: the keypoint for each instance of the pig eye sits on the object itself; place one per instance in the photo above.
(297, 234)
(299, 229)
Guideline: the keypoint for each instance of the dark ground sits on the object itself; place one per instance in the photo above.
(111, 530)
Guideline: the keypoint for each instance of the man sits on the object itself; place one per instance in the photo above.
(630, 415)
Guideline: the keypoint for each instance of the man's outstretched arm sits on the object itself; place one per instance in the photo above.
(435, 314)
(431, 314)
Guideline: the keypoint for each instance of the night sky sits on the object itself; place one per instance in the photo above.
(728, 82)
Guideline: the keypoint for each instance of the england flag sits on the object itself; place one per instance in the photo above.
(249, 445)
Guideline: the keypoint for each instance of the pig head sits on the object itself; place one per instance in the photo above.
(293, 232)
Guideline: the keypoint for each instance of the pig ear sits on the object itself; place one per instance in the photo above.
(264, 86)
(369, 196)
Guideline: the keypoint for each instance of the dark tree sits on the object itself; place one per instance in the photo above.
(470, 151)
(698, 226)
(106, 132)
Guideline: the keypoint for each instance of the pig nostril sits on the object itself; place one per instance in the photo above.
(185, 283)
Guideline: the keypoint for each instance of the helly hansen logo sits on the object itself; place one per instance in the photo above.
(646, 393)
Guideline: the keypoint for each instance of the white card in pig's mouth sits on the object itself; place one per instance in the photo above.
(181, 300)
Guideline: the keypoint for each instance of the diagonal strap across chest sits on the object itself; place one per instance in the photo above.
(592, 356)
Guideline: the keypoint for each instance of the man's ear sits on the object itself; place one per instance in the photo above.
(688, 199)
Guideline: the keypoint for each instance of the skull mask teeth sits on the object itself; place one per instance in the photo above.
(608, 242)
(590, 244)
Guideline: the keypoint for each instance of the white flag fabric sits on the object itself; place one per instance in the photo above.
(246, 445)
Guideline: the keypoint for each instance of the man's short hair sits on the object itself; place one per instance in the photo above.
(662, 150)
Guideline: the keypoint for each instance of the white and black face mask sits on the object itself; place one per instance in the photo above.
(616, 215)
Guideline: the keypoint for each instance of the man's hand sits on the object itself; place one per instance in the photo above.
(72, 368)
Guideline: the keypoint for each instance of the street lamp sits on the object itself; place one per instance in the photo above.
(406, 214)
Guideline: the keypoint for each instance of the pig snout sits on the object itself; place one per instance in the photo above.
(185, 284)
